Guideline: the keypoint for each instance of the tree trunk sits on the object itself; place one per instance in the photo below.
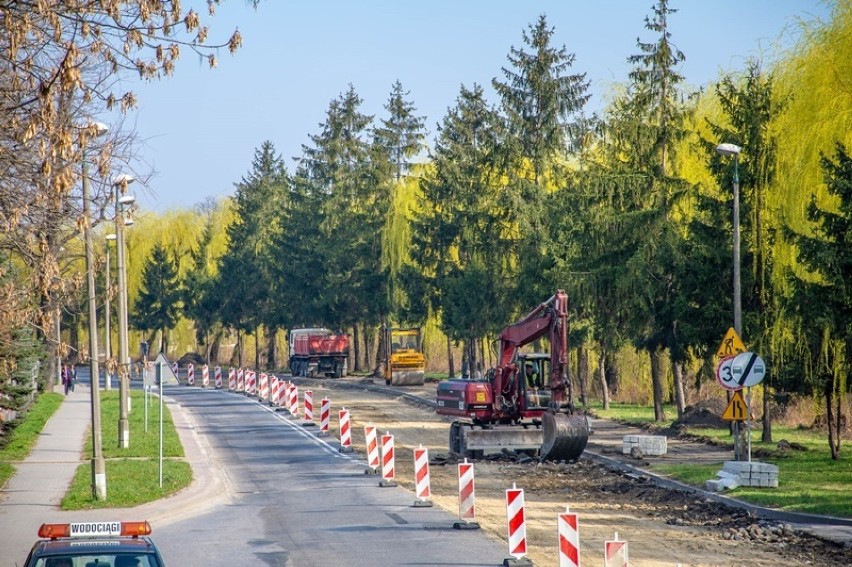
(215, 344)
(271, 350)
(451, 370)
(356, 338)
(583, 374)
(613, 373)
(766, 436)
(380, 352)
(833, 442)
(164, 341)
(368, 346)
(657, 365)
(257, 347)
(680, 397)
(602, 376)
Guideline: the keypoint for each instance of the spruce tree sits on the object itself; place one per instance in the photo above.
(157, 306)
(401, 134)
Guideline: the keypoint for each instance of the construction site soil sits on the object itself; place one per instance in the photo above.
(663, 526)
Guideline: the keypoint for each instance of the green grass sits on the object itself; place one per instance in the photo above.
(809, 481)
(130, 482)
(24, 436)
(132, 474)
(142, 444)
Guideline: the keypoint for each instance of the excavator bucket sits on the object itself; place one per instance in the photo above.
(564, 436)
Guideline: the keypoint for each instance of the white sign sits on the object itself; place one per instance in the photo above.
(748, 369)
(95, 529)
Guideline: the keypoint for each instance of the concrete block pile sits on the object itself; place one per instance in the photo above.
(645, 445)
(744, 473)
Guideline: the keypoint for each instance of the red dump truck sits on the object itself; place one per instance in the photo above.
(318, 351)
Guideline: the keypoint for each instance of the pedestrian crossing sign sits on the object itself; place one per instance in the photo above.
(732, 344)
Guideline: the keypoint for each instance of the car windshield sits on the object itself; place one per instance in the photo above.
(98, 560)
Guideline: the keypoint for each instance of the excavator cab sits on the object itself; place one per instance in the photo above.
(534, 387)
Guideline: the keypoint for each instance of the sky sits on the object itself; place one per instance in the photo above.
(198, 130)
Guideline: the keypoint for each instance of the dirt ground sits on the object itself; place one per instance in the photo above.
(663, 528)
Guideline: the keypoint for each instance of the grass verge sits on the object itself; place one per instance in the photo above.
(133, 473)
(809, 480)
(25, 435)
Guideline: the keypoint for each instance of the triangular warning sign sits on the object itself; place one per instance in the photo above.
(737, 409)
(168, 375)
(732, 344)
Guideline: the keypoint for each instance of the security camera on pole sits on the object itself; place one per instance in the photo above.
(122, 200)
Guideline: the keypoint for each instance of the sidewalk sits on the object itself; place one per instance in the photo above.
(32, 496)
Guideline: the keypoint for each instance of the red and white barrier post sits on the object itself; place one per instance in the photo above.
(274, 391)
(345, 431)
(325, 411)
(467, 498)
(264, 387)
(516, 522)
(251, 383)
(175, 370)
(372, 441)
(285, 395)
(205, 376)
(615, 553)
(217, 376)
(241, 380)
(294, 400)
(568, 534)
(309, 409)
(190, 375)
(232, 379)
(422, 488)
(388, 461)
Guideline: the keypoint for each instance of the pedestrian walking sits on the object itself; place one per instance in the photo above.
(66, 378)
(73, 376)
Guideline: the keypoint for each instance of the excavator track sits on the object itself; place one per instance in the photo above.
(564, 436)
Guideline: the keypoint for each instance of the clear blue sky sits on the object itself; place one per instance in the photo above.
(199, 129)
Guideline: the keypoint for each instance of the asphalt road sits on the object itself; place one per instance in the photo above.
(295, 500)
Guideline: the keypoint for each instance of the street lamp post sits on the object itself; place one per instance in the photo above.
(734, 150)
(108, 340)
(121, 201)
(99, 485)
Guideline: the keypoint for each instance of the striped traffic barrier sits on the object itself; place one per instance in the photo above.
(232, 379)
(516, 522)
(284, 394)
(467, 498)
(568, 533)
(309, 409)
(251, 382)
(217, 376)
(274, 391)
(205, 376)
(372, 448)
(294, 400)
(263, 389)
(388, 461)
(345, 431)
(422, 488)
(325, 411)
(190, 374)
(615, 553)
(241, 380)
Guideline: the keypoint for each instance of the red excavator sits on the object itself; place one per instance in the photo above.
(526, 403)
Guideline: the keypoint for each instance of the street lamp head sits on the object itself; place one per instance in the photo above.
(126, 199)
(128, 221)
(96, 128)
(123, 179)
(728, 149)
(111, 237)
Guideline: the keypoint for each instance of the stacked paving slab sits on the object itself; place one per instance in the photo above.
(649, 445)
(744, 473)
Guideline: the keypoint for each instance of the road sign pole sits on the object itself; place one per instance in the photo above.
(748, 422)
